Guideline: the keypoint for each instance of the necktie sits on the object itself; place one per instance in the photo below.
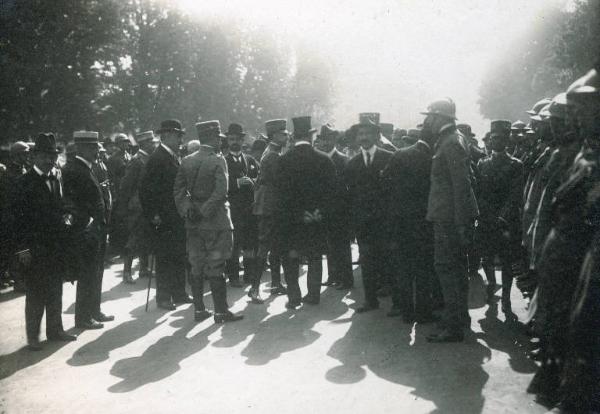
(52, 181)
(368, 159)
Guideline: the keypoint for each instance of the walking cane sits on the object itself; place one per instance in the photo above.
(152, 265)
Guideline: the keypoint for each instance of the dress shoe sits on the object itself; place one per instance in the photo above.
(344, 286)
(278, 290)
(128, 279)
(166, 305)
(227, 317)
(201, 315)
(446, 336)
(34, 345)
(311, 300)
(255, 297)
(367, 307)
(91, 324)
(394, 312)
(101, 317)
(62, 337)
(292, 305)
(328, 283)
(183, 299)
(235, 283)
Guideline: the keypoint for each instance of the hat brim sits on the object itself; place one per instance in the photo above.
(161, 130)
(240, 134)
(47, 150)
(437, 113)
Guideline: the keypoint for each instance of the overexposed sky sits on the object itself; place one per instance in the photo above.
(393, 56)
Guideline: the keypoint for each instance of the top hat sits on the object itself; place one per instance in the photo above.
(46, 143)
(276, 125)
(465, 129)
(208, 128)
(170, 125)
(370, 116)
(500, 126)
(443, 107)
(302, 126)
(85, 137)
(144, 136)
(327, 130)
(235, 129)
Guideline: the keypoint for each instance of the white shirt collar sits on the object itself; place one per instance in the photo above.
(169, 150)
(236, 154)
(86, 162)
(297, 144)
(141, 151)
(371, 151)
(445, 127)
(424, 143)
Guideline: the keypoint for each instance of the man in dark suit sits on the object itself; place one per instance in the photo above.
(42, 221)
(158, 205)
(243, 173)
(407, 179)
(85, 201)
(452, 209)
(305, 180)
(339, 235)
(367, 195)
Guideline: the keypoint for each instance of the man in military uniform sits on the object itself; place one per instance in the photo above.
(200, 193)
(265, 202)
(42, 221)
(243, 172)
(168, 235)
(130, 209)
(304, 182)
(339, 236)
(368, 208)
(452, 209)
(501, 185)
(85, 201)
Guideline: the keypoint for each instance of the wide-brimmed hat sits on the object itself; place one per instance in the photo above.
(276, 125)
(144, 136)
(500, 126)
(465, 129)
(235, 129)
(443, 107)
(303, 126)
(86, 137)
(207, 128)
(170, 125)
(327, 130)
(46, 142)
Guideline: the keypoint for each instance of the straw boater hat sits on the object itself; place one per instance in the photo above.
(86, 137)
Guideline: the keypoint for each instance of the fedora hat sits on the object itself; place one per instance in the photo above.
(208, 128)
(235, 129)
(303, 126)
(170, 125)
(46, 142)
(444, 107)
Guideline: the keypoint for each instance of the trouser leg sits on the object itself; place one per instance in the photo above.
(275, 262)
(314, 275)
(178, 282)
(291, 268)
(54, 307)
(34, 310)
(232, 269)
(96, 287)
(369, 266)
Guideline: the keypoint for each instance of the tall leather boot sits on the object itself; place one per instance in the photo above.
(291, 268)
(200, 312)
(254, 268)
(219, 293)
(490, 275)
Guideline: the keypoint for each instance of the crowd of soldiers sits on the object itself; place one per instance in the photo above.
(428, 208)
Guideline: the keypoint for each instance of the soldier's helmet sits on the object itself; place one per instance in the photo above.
(442, 107)
(585, 88)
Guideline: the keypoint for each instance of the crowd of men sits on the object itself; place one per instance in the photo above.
(427, 207)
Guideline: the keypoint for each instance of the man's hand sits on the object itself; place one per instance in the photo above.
(68, 219)
(313, 217)
(156, 221)
(244, 181)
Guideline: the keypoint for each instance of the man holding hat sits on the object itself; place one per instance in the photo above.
(42, 220)
(158, 206)
(339, 235)
(243, 173)
(265, 202)
(367, 195)
(85, 201)
(200, 194)
(500, 200)
(305, 182)
(452, 209)
(129, 209)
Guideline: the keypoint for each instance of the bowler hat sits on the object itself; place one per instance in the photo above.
(276, 125)
(235, 129)
(443, 107)
(170, 125)
(303, 126)
(208, 128)
(85, 137)
(144, 136)
(46, 143)
(327, 130)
